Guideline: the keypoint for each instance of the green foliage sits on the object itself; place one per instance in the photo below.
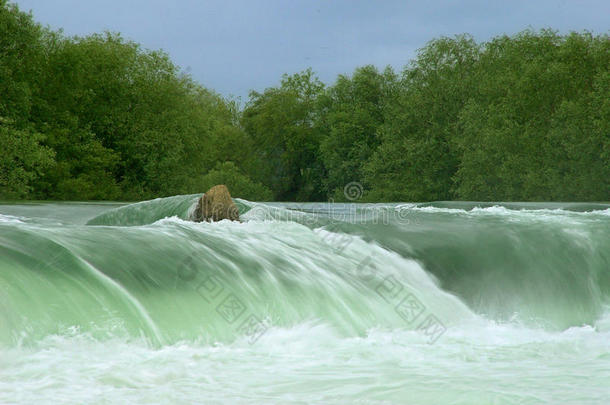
(518, 118)
(122, 122)
(525, 117)
(239, 184)
(151, 129)
(281, 124)
(21, 56)
(415, 161)
(352, 111)
(22, 160)
(528, 131)
(22, 157)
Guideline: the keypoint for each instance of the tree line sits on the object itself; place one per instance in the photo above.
(523, 117)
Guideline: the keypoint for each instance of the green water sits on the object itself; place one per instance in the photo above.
(442, 303)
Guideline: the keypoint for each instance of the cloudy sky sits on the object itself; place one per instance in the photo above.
(234, 46)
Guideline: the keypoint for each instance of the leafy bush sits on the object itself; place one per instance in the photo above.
(239, 184)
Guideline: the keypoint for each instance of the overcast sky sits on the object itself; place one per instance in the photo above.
(234, 46)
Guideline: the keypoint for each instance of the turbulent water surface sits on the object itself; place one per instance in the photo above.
(441, 303)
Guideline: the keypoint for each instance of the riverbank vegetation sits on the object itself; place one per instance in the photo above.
(523, 117)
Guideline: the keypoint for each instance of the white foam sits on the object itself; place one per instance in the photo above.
(11, 219)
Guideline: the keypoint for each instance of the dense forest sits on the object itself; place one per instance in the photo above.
(523, 117)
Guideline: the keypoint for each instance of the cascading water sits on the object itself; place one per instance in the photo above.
(340, 303)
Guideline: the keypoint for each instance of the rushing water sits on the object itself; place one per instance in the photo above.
(443, 303)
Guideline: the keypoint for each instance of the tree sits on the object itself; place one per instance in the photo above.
(523, 117)
(281, 124)
(21, 58)
(352, 111)
(528, 132)
(415, 161)
(241, 185)
(22, 160)
(126, 123)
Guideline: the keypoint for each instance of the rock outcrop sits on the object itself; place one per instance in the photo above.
(215, 205)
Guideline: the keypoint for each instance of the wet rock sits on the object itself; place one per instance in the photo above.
(215, 205)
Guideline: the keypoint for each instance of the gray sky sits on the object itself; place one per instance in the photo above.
(233, 46)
